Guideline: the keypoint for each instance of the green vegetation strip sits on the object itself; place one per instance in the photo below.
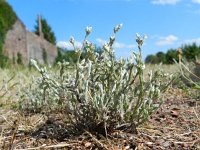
(7, 19)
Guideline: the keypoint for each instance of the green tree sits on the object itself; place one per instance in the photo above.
(190, 52)
(71, 56)
(46, 30)
(7, 18)
(171, 55)
(67, 55)
(151, 59)
(59, 57)
(161, 57)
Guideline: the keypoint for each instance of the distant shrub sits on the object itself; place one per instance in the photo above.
(101, 93)
(71, 55)
(19, 59)
(14, 60)
(44, 56)
(190, 72)
(3, 61)
(190, 52)
(66, 55)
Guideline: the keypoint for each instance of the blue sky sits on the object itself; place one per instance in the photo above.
(167, 23)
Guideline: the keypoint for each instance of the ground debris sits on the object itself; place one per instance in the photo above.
(176, 125)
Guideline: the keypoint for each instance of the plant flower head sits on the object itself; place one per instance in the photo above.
(106, 47)
(140, 41)
(180, 53)
(87, 42)
(88, 30)
(116, 29)
(72, 41)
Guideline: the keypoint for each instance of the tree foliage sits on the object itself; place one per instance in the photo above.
(67, 55)
(171, 55)
(71, 55)
(46, 30)
(7, 19)
(151, 59)
(19, 59)
(190, 53)
(161, 57)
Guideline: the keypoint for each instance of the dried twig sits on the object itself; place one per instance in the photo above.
(96, 140)
(44, 146)
(196, 114)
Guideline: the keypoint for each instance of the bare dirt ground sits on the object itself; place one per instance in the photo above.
(176, 125)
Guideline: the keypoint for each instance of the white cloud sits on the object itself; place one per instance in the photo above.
(168, 40)
(122, 45)
(101, 41)
(190, 41)
(164, 2)
(196, 1)
(67, 45)
(116, 45)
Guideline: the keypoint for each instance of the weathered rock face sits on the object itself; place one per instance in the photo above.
(15, 41)
(28, 44)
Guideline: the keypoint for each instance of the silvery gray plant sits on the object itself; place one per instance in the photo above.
(103, 93)
(46, 92)
(109, 93)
